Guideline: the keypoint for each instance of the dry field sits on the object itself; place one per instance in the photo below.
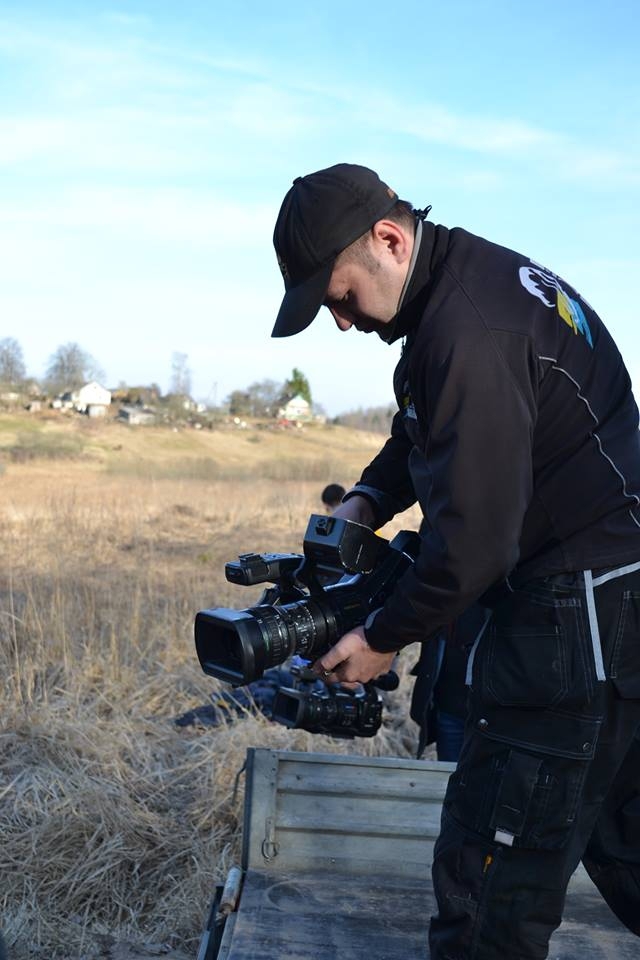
(115, 823)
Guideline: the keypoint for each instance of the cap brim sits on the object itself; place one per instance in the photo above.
(301, 304)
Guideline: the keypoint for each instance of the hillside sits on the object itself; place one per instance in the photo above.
(322, 452)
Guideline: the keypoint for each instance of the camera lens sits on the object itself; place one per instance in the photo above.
(305, 625)
(238, 646)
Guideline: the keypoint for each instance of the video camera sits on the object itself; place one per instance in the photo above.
(311, 705)
(306, 612)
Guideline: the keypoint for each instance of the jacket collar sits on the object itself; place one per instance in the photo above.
(431, 249)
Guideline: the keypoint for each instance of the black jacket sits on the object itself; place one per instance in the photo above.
(517, 428)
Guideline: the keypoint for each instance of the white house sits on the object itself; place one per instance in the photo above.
(91, 395)
(296, 409)
(91, 399)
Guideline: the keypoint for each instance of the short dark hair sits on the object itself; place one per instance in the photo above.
(402, 213)
(332, 494)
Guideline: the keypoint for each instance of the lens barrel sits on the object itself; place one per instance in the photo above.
(337, 713)
(237, 646)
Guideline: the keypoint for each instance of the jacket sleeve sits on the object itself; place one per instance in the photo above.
(386, 482)
(476, 392)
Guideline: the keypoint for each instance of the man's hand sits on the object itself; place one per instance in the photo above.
(358, 509)
(352, 660)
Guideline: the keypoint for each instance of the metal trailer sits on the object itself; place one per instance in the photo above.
(336, 866)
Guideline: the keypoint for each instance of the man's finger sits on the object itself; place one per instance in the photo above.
(325, 670)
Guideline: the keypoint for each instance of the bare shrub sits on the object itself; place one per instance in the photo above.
(43, 446)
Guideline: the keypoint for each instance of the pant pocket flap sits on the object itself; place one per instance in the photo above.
(550, 732)
(514, 794)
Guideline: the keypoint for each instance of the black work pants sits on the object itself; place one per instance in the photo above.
(549, 772)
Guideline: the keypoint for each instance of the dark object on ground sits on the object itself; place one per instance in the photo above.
(227, 705)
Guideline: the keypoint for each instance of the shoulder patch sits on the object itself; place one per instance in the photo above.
(548, 288)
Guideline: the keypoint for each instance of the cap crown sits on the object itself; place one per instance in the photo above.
(323, 213)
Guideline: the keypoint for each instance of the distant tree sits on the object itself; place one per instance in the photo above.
(297, 386)
(12, 369)
(239, 403)
(264, 397)
(373, 419)
(143, 395)
(180, 374)
(70, 367)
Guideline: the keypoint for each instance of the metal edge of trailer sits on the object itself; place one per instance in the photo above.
(208, 947)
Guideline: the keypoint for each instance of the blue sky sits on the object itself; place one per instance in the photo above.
(145, 149)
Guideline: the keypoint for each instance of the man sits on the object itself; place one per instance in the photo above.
(518, 430)
(332, 495)
(439, 696)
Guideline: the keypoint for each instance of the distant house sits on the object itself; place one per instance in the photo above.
(297, 409)
(136, 415)
(64, 401)
(92, 399)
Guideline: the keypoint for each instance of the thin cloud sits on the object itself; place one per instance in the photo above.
(182, 105)
(179, 214)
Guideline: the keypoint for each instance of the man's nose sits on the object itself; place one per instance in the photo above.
(341, 322)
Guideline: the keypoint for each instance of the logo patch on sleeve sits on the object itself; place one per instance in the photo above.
(546, 286)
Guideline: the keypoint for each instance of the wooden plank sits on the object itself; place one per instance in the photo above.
(348, 858)
(350, 760)
(358, 817)
(298, 917)
(360, 781)
(303, 916)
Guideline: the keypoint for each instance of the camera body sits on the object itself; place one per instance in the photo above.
(305, 612)
(313, 706)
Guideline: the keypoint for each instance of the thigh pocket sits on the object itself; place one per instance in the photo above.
(532, 655)
(625, 660)
(526, 666)
(521, 776)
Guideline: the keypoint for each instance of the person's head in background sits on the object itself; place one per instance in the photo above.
(332, 496)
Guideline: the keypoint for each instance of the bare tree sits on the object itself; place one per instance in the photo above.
(372, 419)
(69, 367)
(180, 374)
(264, 398)
(12, 368)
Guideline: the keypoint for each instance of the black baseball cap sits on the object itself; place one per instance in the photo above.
(321, 215)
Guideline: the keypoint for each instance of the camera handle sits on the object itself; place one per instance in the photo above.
(280, 594)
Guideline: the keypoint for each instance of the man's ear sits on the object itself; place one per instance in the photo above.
(392, 239)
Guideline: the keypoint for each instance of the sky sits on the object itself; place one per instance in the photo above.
(145, 148)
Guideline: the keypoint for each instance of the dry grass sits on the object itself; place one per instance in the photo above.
(116, 823)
